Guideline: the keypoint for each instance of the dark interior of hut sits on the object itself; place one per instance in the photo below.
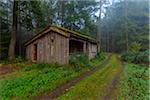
(75, 46)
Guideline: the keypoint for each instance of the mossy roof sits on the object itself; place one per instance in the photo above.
(63, 31)
(77, 34)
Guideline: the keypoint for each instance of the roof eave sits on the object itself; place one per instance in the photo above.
(61, 31)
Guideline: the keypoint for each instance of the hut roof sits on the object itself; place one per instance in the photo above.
(62, 31)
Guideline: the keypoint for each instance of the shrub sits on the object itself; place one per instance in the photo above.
(142, 57)
(29, 84)
(129, 57)
(134, 82)
(15, 61)
(18, 60)
(40, 66)
(22, 65)
(100, 55)
(134, 47)
(78, 61)
(138, 57)
(5, 61)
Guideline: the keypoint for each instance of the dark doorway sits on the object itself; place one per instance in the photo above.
(35, 51)
(75, 46)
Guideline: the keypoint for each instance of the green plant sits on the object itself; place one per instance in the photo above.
(143, 57)
(100, 55)
(35, 79)
(134, 47)
(136, 57)
(98, 58)
(129, 56)
(15, 61)
(41, 66)
(93, 87)
(18, 59)
(78, 61)
(134, 82)
(5, 61)
(21, 64)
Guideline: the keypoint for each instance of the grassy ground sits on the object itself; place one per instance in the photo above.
(94, 87)
(37, 78)
(31, 80)
(134, 83)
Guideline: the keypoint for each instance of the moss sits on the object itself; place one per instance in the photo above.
(97, 83)
(76, 33)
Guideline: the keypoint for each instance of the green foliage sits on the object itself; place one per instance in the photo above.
(5, 61)
(116, 28)
(18, 60)
(77, 15)
(134, 83)
(129, 57)
(93, 87)
(41, 66)
(134, 47)
(35, 79)
(4, 28)
(78, 61)
(136, 57)
(143, 57)
(98, 58)
(21, 65)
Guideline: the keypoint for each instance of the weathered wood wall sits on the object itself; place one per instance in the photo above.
(51, 48)
(91, 50)
(54, 48)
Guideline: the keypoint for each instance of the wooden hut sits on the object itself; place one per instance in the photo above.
(54, 44)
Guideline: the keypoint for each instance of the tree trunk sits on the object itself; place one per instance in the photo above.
(126, 29)
(19, 30)
(11, 51)
(62, 13)
(98, 35)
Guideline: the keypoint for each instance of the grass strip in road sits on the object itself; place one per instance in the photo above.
(94, 86)
(63, 87)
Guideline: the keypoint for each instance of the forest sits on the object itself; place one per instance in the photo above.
(121, 66)
(122, 26)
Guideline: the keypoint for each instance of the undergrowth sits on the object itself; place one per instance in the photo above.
(79, 61)
(134, 83)
(136, 57)
(36, 78)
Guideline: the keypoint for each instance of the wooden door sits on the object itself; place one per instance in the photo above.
(35, 52)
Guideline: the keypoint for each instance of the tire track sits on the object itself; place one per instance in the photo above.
(64, 87)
